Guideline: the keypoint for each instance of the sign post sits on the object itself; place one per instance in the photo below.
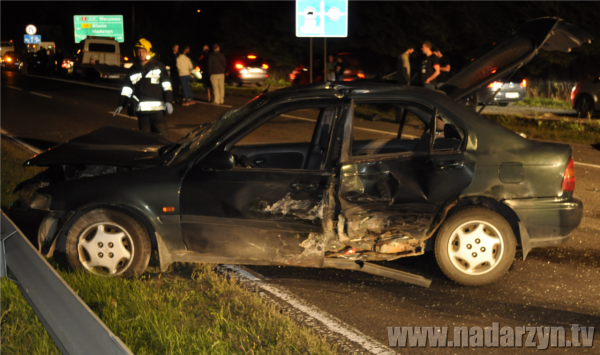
(331, 20)
(32, 39)
(99, 26)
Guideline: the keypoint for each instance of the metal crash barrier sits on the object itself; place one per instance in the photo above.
(70, 322)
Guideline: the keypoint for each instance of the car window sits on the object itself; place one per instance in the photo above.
(378, 128)
(291, 127)
(102, 47)
(400, 128)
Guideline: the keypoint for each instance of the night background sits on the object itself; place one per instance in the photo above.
(379, 31)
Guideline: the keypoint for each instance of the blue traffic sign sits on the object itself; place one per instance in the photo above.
(321, 18)
(29, 39)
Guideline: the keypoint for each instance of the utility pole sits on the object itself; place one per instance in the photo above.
(311, 64)
(133, 23)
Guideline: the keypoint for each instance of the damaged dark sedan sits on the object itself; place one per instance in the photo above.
(372, 172)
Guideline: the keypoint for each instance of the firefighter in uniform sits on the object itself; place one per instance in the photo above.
(147, 92)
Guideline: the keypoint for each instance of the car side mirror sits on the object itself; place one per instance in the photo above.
(218, 160)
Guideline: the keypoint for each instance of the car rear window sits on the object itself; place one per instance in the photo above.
(102, 47)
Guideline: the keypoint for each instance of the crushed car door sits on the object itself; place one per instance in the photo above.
(396, 177)
(261, 215)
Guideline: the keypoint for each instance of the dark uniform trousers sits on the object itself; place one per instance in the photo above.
(155, 122)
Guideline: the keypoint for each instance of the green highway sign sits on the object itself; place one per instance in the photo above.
(98, 25)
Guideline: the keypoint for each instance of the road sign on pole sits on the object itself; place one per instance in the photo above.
(30, 29)
(321, 18)
(32, 39)
(100, 26)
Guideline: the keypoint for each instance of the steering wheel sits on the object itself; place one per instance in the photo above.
(244, 161)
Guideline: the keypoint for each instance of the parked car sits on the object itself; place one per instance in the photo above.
(248, 69)
(510, 91)
(381, 171)
(585, 97)
(99, 58)
(11, 61)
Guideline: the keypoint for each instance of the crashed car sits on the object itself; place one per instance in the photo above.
(372, 172)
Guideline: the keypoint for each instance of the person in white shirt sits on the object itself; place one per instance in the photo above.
(185, 67)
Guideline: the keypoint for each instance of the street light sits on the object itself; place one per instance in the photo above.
(198, 10)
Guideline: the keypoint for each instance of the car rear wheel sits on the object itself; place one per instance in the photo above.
(503, 104)
(475, 246)
(585, 107)
(108, 243)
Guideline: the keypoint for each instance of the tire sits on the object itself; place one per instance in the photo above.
(585, 107)
(503, 104)
(121, 236)
(482, 253)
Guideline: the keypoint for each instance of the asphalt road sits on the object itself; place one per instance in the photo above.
(554, 287)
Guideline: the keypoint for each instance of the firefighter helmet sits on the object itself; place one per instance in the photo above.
(145, 44)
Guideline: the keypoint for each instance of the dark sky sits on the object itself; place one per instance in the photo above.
(384, 29)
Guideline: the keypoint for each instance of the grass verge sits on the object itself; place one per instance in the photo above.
(545, 103)
(13, 173)
(190, 310)
(557, 130)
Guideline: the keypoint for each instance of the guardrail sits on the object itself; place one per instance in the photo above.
(68, 320)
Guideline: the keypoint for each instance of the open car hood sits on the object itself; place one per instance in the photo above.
(547, 33)
(106, 146)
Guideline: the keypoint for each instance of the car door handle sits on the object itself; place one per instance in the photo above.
(449, 165)
(303, 186)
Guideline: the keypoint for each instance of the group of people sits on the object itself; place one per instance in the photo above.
(212, 67)
(435, 68)
(44, 61)
(335, 68)
(150, 90)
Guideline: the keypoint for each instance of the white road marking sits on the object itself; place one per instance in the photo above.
(76, 82)
(18, 141)
(122, 115)
(333, 324)
(35, 93)
(12, 87)
(586, 164)
(211, 104)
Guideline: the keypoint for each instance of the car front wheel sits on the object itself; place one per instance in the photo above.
(108, 243)
(585, 107)
(475, 246)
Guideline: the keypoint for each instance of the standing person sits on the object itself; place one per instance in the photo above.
(43, 61)
(185, 67)
(204, 71)
(147, 91)
(444, 67)
(403, 72)
(51, 62)
(174, 72)
(330, 68)
(339, 69)
(216, 65)
(430, 68)
(59, 57)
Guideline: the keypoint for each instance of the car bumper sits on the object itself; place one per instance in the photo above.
(549, 221)
(504, 96)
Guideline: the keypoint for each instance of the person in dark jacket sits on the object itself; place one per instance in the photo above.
(430, 68)
(205, 71)
(147, 91)
(339, 69)
(445, 67)
(174, 72)
(59, 57)
(216, 66)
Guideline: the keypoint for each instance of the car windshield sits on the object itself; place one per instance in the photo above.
(205, 133)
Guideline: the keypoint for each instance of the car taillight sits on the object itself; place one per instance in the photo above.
(292, 76)
(239, 66)
(523, 83)
(126, 59)
(361, 75)
(265, 66)
(568, 183)
(573, 93)
(495, 85)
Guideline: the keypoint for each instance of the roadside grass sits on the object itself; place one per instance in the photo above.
(13, 156)
(545, 103)
(190, 310)
(558, 130)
